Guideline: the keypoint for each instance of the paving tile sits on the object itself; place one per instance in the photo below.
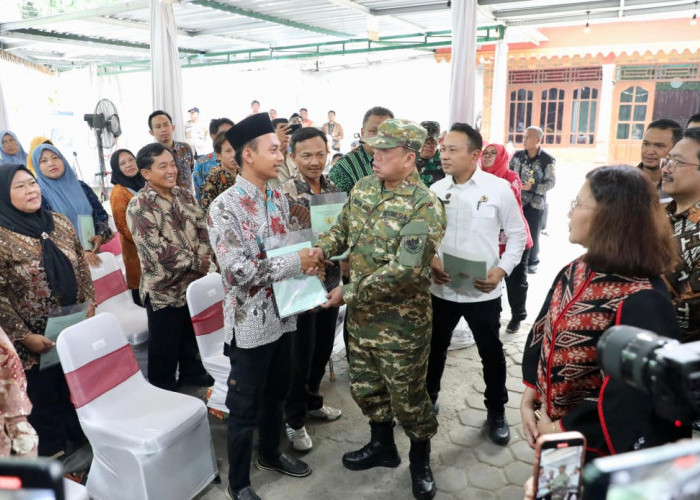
(523, 452)
(493, 454)
(486, 477)
(475, 494)
(451, 479)
(473, 417)
(466, 436)
(518, 472)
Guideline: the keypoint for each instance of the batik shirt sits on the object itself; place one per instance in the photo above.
(430, 170)
(298, 192)
(184, 159)
(171, 239)
(26, 299)
(684, 282)
(218, 181)
(351, 168)
(540, 171)
(201, 171)
(240, 219)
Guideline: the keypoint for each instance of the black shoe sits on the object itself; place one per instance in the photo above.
(513, 326)
(246, 493)
(422, 481)
(286, 464)
(203, 380)
(379, 452)
(499, 432)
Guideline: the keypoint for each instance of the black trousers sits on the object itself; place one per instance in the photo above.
(257, 386)
(53, 415)
(516, 287)
(483, 319)
(312, 346)
(534, 217)
(171, 342)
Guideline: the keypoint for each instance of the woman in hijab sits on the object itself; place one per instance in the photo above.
(37, 141)
(11, 150)
(62, 192)
(494, 160)
(42, 267)
(127, 182)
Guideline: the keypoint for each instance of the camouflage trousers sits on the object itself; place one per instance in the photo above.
(391, 383)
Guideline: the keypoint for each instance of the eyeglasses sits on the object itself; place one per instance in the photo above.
(486, 153)
(576, 203)
(671, 164)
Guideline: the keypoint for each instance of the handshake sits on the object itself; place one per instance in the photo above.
(313, 262)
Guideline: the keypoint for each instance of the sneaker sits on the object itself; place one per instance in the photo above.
(327, 413)
(461, 337)
(300, 439)
(531, 269)
(513, 326)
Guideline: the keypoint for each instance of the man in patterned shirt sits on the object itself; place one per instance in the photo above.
(170, 233)
(205, 163)
(536, 170)
(257, 341)
(160, 126)
(680, 179)
(358, 163)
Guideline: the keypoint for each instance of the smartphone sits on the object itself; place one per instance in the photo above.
(558, 462)
(293, 128)
(668, 471)
(37, 478)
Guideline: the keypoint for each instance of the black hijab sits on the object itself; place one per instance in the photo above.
(135, 183)
(39, 224)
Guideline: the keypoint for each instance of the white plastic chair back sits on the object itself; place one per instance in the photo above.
(114, 296)
(205, 302)
(139, 433)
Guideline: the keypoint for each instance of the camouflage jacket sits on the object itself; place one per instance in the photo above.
(392, 237)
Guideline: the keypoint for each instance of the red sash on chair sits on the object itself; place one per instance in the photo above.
(209, 320)
(109, 286)
(101, 375)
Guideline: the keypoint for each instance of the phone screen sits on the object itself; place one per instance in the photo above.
(559, 459)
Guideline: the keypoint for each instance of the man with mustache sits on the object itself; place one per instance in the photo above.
(660, 136)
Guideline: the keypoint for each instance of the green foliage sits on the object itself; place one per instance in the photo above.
(40, 8)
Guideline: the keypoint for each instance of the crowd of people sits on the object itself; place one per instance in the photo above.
(423, 207)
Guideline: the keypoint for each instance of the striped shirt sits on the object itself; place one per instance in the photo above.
(351, 168)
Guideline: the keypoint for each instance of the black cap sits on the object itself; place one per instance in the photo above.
(246, 130)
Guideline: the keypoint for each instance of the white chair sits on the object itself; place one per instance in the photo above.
(205, 301)
(147, 442)
(114, 296)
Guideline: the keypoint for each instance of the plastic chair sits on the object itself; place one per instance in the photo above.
(205, 302)
(114, 296)
(147, 442)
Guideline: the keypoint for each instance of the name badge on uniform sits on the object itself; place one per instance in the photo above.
(447, 199)
(483, 199)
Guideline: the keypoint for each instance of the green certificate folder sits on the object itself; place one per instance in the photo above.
(296, 295)
(86, 231)
(324, 210)
(55, 324)
(462, 270)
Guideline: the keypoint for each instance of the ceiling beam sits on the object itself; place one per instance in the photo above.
(270, 19)
(108, 10)
(629, 5)
(573, 18)
(53, 37)
(410, 9)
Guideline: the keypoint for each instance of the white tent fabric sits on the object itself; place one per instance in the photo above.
(463, 84)
(4, 120)
(498, 99)
(166, 77)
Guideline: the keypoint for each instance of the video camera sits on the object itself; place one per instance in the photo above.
(662, 367)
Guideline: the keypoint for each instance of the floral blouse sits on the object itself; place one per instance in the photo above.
(171, 239)
(25, 296)
(218, 181)
(17, 436)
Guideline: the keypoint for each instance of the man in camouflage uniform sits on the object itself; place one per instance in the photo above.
(392, 225)
(428, 163)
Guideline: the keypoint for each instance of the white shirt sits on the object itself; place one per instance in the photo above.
(476, 212)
